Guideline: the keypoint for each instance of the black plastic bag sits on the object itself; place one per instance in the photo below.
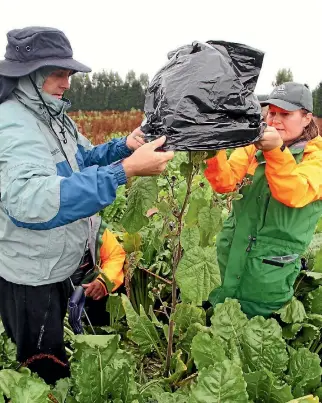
(202, 99)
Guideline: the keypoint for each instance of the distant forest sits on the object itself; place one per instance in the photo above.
(107, 91)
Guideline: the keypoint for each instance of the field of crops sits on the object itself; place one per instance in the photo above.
(100, 126)
(164, 343)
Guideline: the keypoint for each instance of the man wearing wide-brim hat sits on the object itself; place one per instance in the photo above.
(51, 180)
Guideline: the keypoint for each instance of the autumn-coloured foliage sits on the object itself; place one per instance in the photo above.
(100, 126)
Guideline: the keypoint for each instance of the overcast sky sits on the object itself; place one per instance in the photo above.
(121, 35)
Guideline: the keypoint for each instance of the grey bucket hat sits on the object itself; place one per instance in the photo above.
(290, 96)
(31, 48)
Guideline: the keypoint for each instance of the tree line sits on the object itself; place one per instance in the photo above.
(107, 91)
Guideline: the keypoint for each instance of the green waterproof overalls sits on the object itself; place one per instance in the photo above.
(256, 236)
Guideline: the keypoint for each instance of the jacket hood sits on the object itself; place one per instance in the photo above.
(26, 93)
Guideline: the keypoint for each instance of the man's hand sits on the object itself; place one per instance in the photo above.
(145, 161)
(271, 139)
(135, 139)
(95, 290)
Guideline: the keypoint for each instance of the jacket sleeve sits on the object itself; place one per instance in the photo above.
(292, 184)
(112, 257)
(32, 193)
(103, 154)
(223, 174)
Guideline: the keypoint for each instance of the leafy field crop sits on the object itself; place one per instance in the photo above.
(101, 126)
(164, 343)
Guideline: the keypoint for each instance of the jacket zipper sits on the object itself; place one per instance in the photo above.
(252, 239)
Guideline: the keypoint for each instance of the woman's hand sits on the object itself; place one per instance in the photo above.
(271, 139)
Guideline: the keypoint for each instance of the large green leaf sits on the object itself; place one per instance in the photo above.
(61, 389)
(315, 319)
(96, 341)
(312, 274)
(317, 264)
(115, 308)
(290, 331)
(186, 169)
(207, 351)
(185, 340)
(304, 373)
(222, 383)
(263, 387)
(308, 333)
(234, 352)
(228, 320)
(209, 221)
(177, 367)
(143, 332)
(143, 194)
(263, 345)
(195, 205)
(314, 300)
(187, 314)
(10, 351)
(102, 373)
(190, 237)
(8, 380)
(132, 242)
(198, 274)
(166, 397)
(293, 312)
(30, 390)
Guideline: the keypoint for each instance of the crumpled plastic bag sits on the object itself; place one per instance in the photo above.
(203, 99)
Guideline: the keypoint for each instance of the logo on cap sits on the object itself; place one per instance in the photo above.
(280, 90)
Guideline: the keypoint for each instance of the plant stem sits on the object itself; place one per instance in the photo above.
(171, 186)
(173, 305)
(101, 370)
(176, 260)
(163, 312)
(69, 332)
(297, 286)
(155, 275)
(164, 307)
(189, 378)
(313, 345)
(318, 349)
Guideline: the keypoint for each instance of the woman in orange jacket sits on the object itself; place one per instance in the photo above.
(280, 178)
(104, 250)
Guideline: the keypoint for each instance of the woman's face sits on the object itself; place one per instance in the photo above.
(290, 125)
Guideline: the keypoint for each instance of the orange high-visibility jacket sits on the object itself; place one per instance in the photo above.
(112, 257)
(292, 184)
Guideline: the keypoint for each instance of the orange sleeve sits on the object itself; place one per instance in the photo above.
(292, 184)
(112, 258)
(223, 174)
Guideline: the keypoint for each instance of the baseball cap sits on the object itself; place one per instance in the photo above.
(290, 96)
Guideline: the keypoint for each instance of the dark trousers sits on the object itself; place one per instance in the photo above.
(33, 318)
(96, 311)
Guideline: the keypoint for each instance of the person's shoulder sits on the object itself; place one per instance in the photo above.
(12, 109)
(10, 105)
(313, 148)
(314, 144)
